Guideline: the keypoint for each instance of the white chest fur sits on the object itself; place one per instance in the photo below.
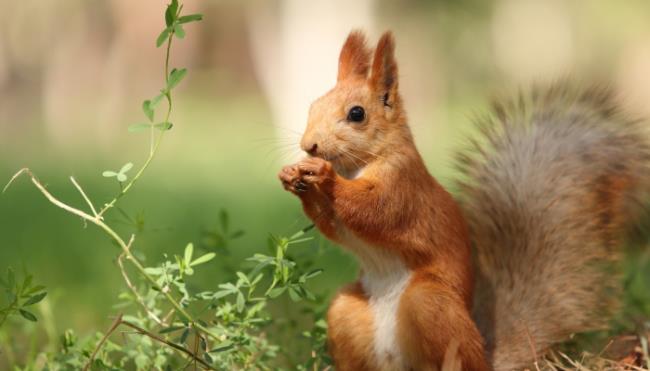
(384, 279)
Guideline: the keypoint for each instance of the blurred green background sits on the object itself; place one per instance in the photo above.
(73, 74)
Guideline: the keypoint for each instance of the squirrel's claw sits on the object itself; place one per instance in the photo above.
(300, 186)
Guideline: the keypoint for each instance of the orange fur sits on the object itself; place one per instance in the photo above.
(549, 190)
(354, 59)
(350, 340)
(368, 178)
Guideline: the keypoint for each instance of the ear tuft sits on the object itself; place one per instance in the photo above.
(383, 77)
(354, 59)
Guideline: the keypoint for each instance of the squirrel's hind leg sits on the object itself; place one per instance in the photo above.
(436, 329)
(350, 330)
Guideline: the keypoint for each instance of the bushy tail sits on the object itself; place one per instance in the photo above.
(550, 190)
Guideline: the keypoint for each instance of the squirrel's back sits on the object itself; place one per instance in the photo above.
(550, 190)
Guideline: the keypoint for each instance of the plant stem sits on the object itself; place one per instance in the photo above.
(119, 321)
(10, 309)
(153, 148)
(83, 194)
(138, 298)
(168, 343)
(98, 220)
(126, 248)
(114, 326)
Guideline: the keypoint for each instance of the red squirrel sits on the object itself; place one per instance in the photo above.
(546, 197)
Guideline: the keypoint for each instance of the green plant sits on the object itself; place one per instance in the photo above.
(171, 322)
(19, 296)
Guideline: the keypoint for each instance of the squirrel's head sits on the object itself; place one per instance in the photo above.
(361, 117)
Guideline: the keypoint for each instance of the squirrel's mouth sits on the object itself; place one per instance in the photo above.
(325, 156)
(330, 158)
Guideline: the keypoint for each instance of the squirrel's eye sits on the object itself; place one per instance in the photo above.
(356, 114)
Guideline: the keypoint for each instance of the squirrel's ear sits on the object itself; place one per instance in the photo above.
(383, 77)
(355, 56)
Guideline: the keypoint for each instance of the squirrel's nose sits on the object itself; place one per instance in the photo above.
(312, 150)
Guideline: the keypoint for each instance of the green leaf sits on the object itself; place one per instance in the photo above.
(162, 37)
(154, 271)
(109, 174)
(146, 108)
(163, 126)
(138, 127)
(241, 302)
(276, 292)
(190, 18)
(223, 347)
(189, 250)
(26, 283)
(27, 315)
(299, 240)
(257, 279)
(179, 31)
(203, 259)
(35, 299)
(35, 289)
(121, 177)
(171, 329)
(294, 294)
(228, 286)
(175, 77)
(156, 100)
(221, 293)
(174, 7)
(170, 14)
(141, 361)
(242, 277)
(313, 273)
(302, 232)
(128, 166)
(184, 336)
(308, 294)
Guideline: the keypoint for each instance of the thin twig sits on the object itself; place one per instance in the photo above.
(196, 347)
(49, 196)
(573, 363)
(532, 347)
(83, 194)
(153, 336)
(13, 178)
(114, 326)
(152, 150)
(599, 355)
(119, 321)
(133, 289)
(644, 349)
(123, 245)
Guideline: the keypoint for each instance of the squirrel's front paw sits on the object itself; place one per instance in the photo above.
(290, 178)
(315, 170)
(300, 177)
